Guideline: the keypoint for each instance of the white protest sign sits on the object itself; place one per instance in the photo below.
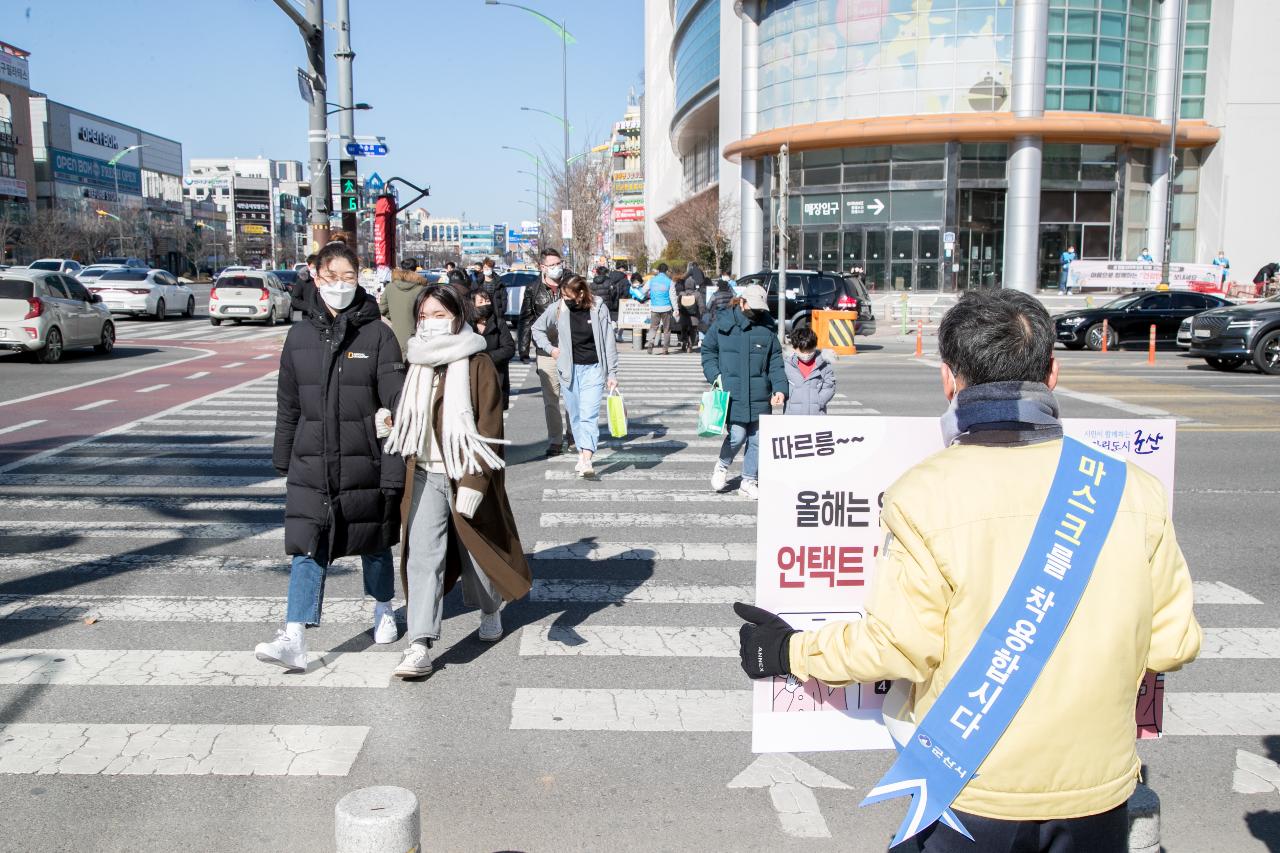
(1107, 275)
(822, 479)
(632, 313)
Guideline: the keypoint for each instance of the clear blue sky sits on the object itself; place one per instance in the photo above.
(446, 79)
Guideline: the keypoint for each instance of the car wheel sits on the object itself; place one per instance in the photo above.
(52, 352)
(161, 311)
(191, 308)
(1093, 337)
(214, 321)
(1266, 355)
(1224, 364)
(108, 339)
(271, 317)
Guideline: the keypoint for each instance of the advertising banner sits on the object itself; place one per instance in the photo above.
(1108, 275)
(13, 69)
(93, 138)
(822, 481)
(72, 168)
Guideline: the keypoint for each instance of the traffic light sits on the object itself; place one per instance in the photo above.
(350, 186)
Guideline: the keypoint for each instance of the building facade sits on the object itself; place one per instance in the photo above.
(627, 176)
(17, 163)
(943, 145)
(265, 203)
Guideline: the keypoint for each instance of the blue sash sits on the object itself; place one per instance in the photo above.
(976, 707)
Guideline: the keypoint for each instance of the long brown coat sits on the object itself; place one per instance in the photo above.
(490, 536)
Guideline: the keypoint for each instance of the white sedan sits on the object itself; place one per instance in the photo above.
(250, 295)
(144, 293)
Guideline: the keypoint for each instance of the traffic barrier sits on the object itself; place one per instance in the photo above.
(836, 330)
(1151, 346)
(1144, 821)
(381, 819)
(1106, 334)
(919, 338)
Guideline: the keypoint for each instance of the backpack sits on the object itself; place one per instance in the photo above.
(688, 299)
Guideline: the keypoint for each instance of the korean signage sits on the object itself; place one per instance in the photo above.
(12, 186)
(252, 209)
(102, 141)
(822, 483)
(868, 208)
(209, 181)
(1114, 274)
(72, 168)
(13, 69)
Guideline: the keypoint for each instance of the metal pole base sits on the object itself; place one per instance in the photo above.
(1144, 821)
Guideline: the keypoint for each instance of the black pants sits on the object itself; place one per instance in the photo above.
(1100, 833)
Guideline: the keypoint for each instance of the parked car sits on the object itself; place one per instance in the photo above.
(1184, 333)
(249, 295)
(144, 293)
(56, 265)
(230, 269)
(809, 290)
(118, 261)
(288, 278)
(44, 313)
(1130, 317)
(1228, 337)
(515, 282)
(91, 274)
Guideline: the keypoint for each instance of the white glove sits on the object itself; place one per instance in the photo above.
(380, 422)
(467, 501)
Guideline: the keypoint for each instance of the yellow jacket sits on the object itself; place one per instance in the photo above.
(958, 525)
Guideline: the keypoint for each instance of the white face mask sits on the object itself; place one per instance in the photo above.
(433, 327)
(555, 272)
(808, 357)
(337, 296)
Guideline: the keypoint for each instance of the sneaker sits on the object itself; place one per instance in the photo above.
(749, 489)
(384, 623)
(719, 477)
(579, 470)
(491, 626)
(288, 649)
(415, 663)
(586, 469)
(554, 450)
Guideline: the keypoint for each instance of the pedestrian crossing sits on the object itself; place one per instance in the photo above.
(197, 330)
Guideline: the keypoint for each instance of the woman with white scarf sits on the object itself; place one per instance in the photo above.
(458, 523)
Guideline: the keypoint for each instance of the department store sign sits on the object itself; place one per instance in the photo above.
(13, 69)
(102, 141)
(871, 208)
(71, 168)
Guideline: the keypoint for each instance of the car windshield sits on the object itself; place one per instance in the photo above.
(1124, 301)
(240, 281)
(16, 288)
(125, 275)
(46, 265)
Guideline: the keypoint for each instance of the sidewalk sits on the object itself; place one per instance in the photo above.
(930, 307)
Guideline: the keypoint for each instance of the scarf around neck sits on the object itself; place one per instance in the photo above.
(1007, 414)
(462, 447)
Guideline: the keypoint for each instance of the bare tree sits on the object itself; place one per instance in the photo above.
(13, 218)
(582, 188)
(52, 232)
(704, 226)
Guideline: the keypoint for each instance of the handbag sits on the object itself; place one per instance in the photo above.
(617, 410)
(713, 410)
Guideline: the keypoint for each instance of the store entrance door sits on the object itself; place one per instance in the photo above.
(914, 262)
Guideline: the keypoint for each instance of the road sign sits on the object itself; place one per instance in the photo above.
(566, 224)
(367, 149)
(374, 182)
(305, 89)
(949, 237)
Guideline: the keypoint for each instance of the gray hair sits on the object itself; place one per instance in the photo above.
(997, 336)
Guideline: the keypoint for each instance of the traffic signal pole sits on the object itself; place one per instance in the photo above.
(346, 112)
(312, 29)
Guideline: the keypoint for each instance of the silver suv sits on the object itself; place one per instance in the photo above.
(44, 313)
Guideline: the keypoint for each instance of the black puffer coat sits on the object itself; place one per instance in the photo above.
(343, 494)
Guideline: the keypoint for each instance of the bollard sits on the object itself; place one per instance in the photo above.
(902, 310)
(919, 338)
(1151, 346)
(1106, 334)
(381, 819)
(1144, 821)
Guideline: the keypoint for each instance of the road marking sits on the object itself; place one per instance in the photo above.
(23, 425)
(790, 782)
(199, 354)
(634, 592)
(264, 356)
(1222, 714)
(634, 496)
(97, 444)
(172, 608)
(650, 641)
(107, 503)
(233, 364)
(200, 375)
(604, 551)
(624, 456)
(173, 668)
(1254, 774)
(564, 709)
(154, 749)
(176, 530)
(87, 406)
(259, 412)
(1240, 644)
(1121, 405)
(608, 520)
(655, 474)
(151, 388)
(103, 565)
(267, 425)
(177, 461)
(1216, 592)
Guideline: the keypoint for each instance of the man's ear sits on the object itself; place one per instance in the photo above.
(1052, 379)
(949, 385)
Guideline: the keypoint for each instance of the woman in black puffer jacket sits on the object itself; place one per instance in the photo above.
(339, 368)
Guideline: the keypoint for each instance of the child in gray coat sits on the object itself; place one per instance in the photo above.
(811, 375)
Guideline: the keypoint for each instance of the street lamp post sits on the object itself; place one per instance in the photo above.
(311, 26)
(1173, 147)
(114, 163)
(537, 183)
(560, 119)
(537, 164)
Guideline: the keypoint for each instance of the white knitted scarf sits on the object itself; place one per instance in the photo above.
(462, 447)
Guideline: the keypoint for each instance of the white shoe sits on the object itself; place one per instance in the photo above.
(384, 623)
(491, 626)
(415, 663)
(288, 649)
(749, 489)
(587, 469)
(719, 477)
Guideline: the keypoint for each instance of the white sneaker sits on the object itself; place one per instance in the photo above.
(588, 470)
(749, 489)
(384, 623)
(491, 626)
(719, 477)
(288, 649)
(579, 470)
(415, 663)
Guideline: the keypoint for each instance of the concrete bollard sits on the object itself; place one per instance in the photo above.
(381, 819)
(1144, 821)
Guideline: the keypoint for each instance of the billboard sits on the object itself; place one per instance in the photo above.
(97, 139)
(70, 168)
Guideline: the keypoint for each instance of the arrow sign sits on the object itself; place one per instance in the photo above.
(876, 207)
(791, 782)
(1254, 774)
(374, 182)
(364, 149)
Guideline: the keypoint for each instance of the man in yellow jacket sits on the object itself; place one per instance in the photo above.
(957, 527)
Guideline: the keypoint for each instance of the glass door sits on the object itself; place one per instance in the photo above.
(830, 252)
(928, 259)
(902, 263)
(877, 257)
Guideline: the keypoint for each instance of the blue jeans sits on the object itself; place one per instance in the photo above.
(582, 396)
(739, 433)
(1063, 278)
(306, 583)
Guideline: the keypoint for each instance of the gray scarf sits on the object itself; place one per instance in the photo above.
(1006, 414)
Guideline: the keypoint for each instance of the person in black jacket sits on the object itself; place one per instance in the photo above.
(493, 286)
(499, 343)
(691, 306)
(340, 373)
(720, 299)
(537, 296)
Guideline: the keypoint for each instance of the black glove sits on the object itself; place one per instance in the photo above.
(765, 641)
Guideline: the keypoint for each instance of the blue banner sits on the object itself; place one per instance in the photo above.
(69, 168)
(976, 707)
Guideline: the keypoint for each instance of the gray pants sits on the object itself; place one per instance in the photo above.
(429, 531)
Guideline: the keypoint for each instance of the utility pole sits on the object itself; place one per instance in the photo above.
(1173, 147)
(312, 29)
(346, 102)
(784, 180)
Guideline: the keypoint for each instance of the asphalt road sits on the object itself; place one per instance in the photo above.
(579, 731)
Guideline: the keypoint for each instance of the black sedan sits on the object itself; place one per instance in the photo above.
(1130, 317)
(1228, 337)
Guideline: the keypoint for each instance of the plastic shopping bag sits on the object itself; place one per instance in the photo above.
(713, 411)
(617, 409)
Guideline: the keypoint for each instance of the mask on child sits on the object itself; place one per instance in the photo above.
(808, 357)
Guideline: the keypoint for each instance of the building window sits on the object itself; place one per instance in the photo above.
(1195, 58)
(8, 165)
(983, 160)
(1067, 162)
(697, 54)
(1102, 56)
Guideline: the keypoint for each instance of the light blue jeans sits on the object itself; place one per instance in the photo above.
(582, 396)
(306, 583)
(734, 439)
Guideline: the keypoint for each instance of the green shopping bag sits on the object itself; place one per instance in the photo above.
(713, 411)
(617, 414)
